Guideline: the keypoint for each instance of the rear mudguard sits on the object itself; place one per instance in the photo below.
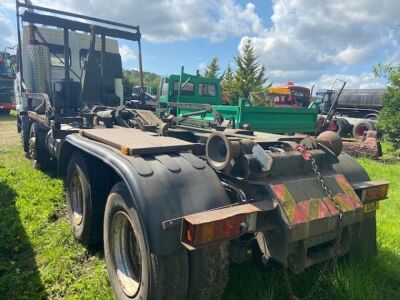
(364, 242)
(350, 168)
(162, 187)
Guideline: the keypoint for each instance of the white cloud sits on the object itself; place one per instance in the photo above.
(307, 37)
(8, 4)
(7, 38)
(366, 80)
(202, 66)
(352, 55)
(127, 54)
(172, 20)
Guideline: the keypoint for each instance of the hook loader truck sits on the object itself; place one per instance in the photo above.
(172, 203)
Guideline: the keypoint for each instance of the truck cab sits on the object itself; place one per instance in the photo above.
(198, 99)
(186, 88)
(43, 68)
(289, 95)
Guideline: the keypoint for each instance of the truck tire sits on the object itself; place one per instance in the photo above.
(343, 127)
(134, 272)
(208, 272)
(25, 130)
(362, 126)
(86, 197)
(38, 153)
(372, 116)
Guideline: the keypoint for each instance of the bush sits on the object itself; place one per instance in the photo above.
(389, 117)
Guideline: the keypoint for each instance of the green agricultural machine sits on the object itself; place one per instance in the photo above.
(197, 100)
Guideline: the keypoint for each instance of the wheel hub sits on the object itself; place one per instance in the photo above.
(32, 147)
(76, 198)
(361, 129)
(126, 254)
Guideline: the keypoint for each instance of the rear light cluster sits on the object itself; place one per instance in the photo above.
(228, 223)
(375, 193)
(371, 191)
(195, 235)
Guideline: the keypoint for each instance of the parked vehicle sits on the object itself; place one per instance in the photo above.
(289, 95)
(331, 118)
(137, 90)
(354, 103)
(142, 98)
(174, 203)
(7, 76)
(197, 100)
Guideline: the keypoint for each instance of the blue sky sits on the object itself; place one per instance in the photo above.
(305, 41)
(193, 54)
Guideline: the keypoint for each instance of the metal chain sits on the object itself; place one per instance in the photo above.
(332, 263)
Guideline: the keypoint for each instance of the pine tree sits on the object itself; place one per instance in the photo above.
(250, 74)
(212, 69)
(229, 86)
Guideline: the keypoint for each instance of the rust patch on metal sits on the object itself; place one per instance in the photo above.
(223, 213)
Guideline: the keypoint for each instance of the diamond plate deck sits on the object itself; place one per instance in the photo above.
(136, 141)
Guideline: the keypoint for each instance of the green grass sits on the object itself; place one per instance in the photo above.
(39, 257)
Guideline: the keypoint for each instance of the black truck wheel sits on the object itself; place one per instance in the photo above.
(342, 127)
(209, 272)
(37, 149)
(25, 131)
(362, 126)
(134, 272)
(86, 198)
(373, 116)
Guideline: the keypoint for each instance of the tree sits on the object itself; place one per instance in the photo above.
(229, 87)
(131, 78)
(212, 68)
(250, 74)
(389, 117)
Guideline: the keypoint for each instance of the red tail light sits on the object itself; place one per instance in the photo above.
(370, 191)
(196, 235)
(217, 225)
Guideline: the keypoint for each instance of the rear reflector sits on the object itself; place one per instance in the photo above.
(370, 191)
(217, 225)
(124, 150)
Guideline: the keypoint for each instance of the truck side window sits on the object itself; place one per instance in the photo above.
(57, 55)
(206, 89)
(83, 54)
(164, 87)
(186, 90)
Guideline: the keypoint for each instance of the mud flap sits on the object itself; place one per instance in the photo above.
(312, 213)
(311, 221)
